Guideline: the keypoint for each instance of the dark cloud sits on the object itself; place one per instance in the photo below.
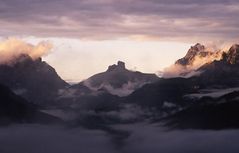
(109, 19)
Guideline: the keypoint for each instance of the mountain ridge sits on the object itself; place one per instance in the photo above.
(35, 80)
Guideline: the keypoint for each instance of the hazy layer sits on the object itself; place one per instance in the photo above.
(143, 138)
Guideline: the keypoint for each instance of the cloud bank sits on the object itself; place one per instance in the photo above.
(189, 20)
(12, 48)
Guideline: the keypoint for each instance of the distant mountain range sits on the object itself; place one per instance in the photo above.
(207, 100)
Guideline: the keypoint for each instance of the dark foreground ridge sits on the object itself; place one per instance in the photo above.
(15, 109)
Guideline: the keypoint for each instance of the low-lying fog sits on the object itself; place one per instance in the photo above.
(140, 138)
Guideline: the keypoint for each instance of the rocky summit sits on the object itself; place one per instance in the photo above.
(196, 52)
(233, 54)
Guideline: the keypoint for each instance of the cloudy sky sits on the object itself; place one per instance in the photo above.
(147, 34)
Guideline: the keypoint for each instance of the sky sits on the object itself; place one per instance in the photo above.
(89, 35)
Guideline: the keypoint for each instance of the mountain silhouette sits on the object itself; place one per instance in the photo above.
(35, 80)
(15, 109)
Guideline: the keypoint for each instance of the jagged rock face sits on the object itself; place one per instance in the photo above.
(197, 51)
(230, 57)
(119, 67)
(187, 66)
(233, 55)
(224, 72)
(35, 80)
(192, 52)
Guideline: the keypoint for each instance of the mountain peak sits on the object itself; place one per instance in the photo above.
(233, 54)
(198, 46)
(117, 80)
(23, 58)
(196, 50)
(119, 67)
(35, 79)
(235, 46)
